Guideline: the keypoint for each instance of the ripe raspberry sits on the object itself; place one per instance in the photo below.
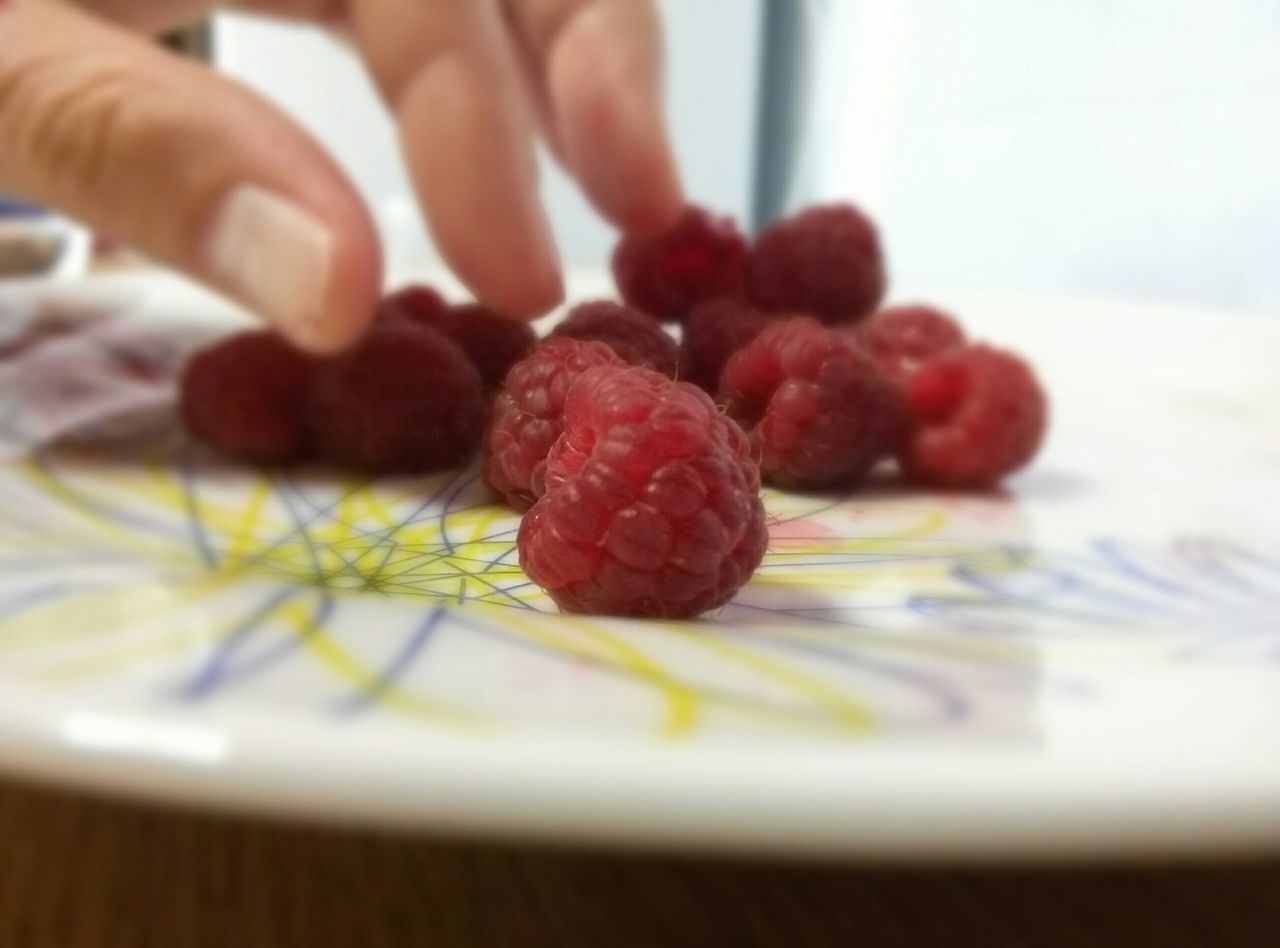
(701, 258)
(493, 342)
(825, 262)
(978, 414)
(246, 397)
(901, 337)
(713, 332)
(526, 418)
(818, 409)
(636, 338)
(652, 506)
(405, 399)
(419, 304)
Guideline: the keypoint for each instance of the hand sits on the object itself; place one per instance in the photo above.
(204, 175)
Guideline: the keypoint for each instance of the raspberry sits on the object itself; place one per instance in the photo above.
(978, 414)
(652, 506)
(493, 342)
(702, 258)
(636, 338)
(825, 262)
(405, 399)
(526, 417)
(418, 304)
(818, 409)
(901, 337)
(713, 332)
(245, 396)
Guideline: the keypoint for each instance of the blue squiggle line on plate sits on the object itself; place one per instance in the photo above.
(25, 599)
(227, 666)
(401, 663)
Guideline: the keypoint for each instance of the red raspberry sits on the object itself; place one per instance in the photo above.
(405, 399)
(418, 304)
(701, 258)
(246, 397)
(493, 342)
(652, 506)
(636, 338)
(818, 409)
(978, 414)
(713, 332)
(901, 337)
(526, 419)
(825, 262)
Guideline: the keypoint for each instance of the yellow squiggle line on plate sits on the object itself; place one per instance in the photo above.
(129, 538)
(251, 517)
(852, 714)
(682, 703)
(354, 673)
(94, 612)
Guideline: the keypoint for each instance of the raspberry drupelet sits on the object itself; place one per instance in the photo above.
(652, 505)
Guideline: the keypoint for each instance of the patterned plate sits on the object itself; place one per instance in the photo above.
(1089, 662)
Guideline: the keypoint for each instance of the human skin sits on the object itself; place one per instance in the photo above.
(201, 173)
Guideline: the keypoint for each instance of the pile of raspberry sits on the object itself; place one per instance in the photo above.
(411, 397)
(788, 334)
(635, 459)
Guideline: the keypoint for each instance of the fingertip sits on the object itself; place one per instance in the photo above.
(312, 268)
(604, 77)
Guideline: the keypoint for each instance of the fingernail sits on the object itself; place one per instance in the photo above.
(274, 256)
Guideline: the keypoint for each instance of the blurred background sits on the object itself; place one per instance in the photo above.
(1115, 148)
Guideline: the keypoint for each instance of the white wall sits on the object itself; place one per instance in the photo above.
(713, 57)
(1118, 147)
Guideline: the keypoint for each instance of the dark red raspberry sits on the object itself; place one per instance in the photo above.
(818, 410)
(405, 399)
(702, 258)
(246, 396)
(978, 414)
(493, 342)
(824, 262)
(901, 337)
(636, 338)
(652, 506)
(418, 304)
(526, 418)
(713, 332)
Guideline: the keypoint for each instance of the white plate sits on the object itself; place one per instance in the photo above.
(1088, 664)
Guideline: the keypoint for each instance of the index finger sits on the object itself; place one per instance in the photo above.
(600, 62)
(449, 73)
